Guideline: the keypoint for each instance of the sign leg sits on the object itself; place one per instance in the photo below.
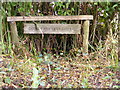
(85, 36)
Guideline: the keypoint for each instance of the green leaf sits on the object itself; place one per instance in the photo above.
(35, 78)
(73, 9)
(8, 80)
(107, 9)
(51, 63)
(95, 3)
(58, 68)
(40, 60)
(61, 53)
(116, 80)
(67, 5)
(3, 72)
(35, 84)
(99, 9)
(115, 5)
(116, 86)
(70, 85)
(42, 83)
(106, 77)
(14, 4)
(35, 71)
(65, 13)
(114, 41)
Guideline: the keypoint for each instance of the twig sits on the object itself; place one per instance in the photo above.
(49, 69)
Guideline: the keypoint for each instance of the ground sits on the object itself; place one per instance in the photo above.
(58, 72)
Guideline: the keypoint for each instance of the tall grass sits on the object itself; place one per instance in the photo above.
(1, 32)
(0, 29)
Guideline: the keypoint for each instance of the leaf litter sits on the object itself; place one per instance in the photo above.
(57, 73)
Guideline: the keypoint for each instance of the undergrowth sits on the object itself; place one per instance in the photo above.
(99, 69)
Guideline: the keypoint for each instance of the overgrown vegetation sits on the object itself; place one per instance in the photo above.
(57, 61)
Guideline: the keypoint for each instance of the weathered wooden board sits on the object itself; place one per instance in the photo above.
(14, 33)
(41, 18)
(29, 28)
(85, 36)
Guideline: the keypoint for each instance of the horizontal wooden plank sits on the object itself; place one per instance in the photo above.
(42, 18)
(29, 28)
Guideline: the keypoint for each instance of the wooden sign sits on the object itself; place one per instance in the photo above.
(29, 28)
(53, 28)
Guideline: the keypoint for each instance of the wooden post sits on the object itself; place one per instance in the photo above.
(0, 28)
(85, 36)
(14, 33)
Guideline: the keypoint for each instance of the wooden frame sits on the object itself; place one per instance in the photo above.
(86, 25)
